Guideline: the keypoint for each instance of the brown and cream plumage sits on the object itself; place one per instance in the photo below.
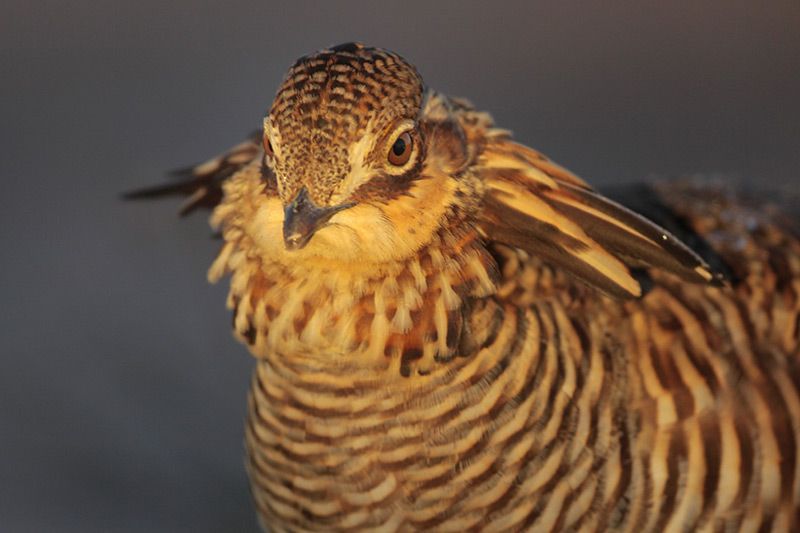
(451, 334)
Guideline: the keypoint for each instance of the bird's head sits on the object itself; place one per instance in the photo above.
(347, 149)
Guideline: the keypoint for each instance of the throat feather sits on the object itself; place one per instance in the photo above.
(405, 318)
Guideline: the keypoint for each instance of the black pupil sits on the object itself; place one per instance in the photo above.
(399, 147)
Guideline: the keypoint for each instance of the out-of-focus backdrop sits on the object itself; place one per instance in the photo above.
(122, 391)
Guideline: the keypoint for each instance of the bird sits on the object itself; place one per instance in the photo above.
(452, 332)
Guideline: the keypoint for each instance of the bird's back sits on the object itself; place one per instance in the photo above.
(711, 402)
(714, 376)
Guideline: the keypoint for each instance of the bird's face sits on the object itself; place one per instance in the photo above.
(344, 142)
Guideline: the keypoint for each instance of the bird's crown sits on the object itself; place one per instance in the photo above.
(336, 110)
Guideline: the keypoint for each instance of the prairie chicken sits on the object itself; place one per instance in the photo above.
(451, 331)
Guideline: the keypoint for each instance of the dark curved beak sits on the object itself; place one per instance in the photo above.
(302, 218)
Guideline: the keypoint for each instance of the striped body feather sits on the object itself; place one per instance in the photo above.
(466, 346)
(567, 410)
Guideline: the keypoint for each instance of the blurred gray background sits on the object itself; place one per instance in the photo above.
(122, 391)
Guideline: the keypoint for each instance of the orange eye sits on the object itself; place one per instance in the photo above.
(268, 147)
(400, 151)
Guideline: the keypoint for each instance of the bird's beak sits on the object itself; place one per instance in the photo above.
(302, 218)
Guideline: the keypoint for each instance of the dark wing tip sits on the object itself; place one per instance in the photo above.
(643, 198)
(199, 194)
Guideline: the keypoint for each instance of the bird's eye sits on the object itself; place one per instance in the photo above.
(400, 151)
(268, 147)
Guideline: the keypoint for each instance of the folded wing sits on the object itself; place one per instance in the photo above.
(535, 205)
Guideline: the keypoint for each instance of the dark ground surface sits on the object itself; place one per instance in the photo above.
(121, 389)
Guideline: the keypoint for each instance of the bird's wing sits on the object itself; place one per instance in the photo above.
(535, 205)
(202, 184)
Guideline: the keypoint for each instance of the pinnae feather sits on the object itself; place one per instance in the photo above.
(532, 204)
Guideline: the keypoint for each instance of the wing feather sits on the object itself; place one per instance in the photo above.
(537, 206)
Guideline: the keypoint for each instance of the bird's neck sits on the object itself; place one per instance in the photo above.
(400, 317)
(533, 400)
